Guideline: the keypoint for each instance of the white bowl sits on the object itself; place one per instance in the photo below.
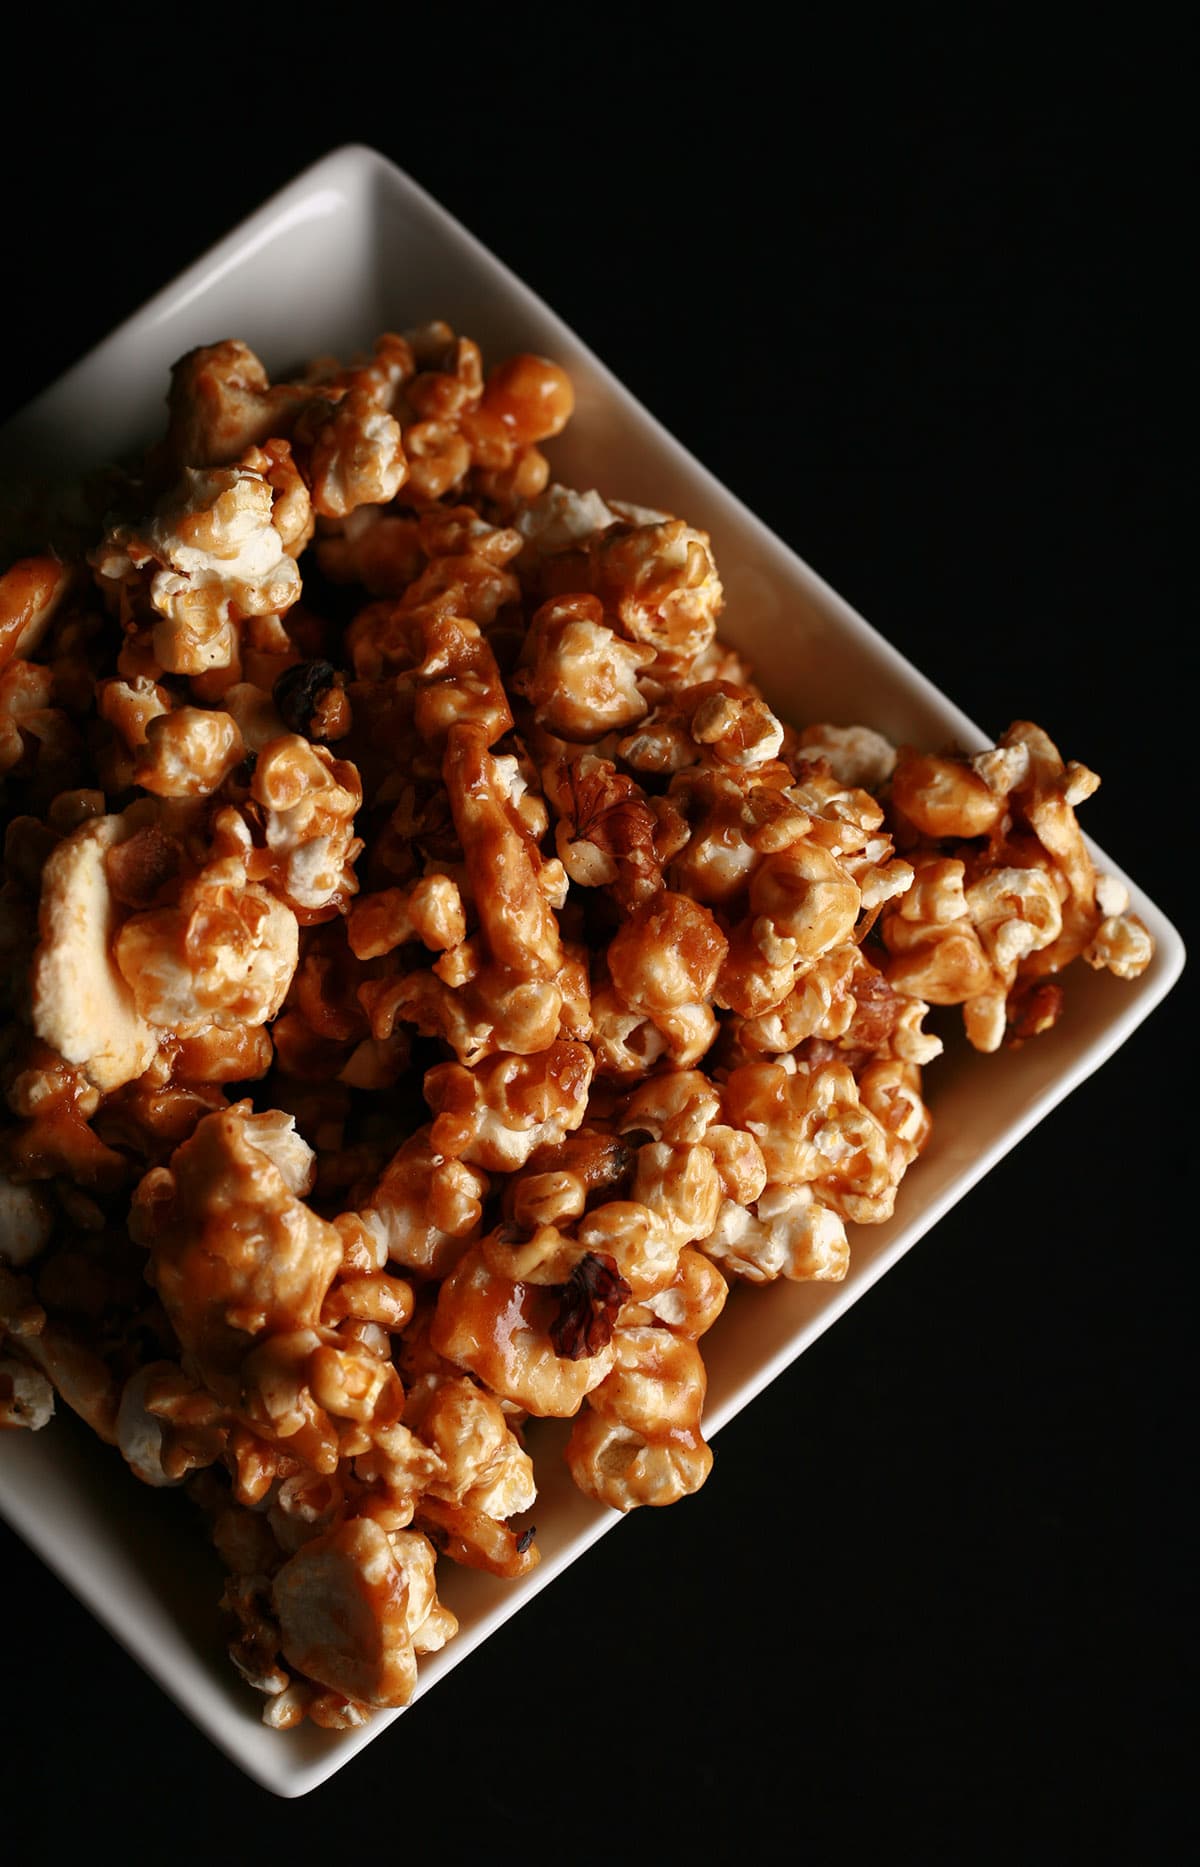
(350, 248)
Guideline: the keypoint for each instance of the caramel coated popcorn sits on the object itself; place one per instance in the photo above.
(435, 979)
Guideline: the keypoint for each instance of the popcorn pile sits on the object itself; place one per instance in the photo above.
(433, 981)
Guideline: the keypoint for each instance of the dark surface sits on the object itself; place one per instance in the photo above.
(925, 316)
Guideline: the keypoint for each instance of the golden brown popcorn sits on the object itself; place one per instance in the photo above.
(131, 706)
(79, 1375)
(376, 547)
(532, 1321)
(579, 677)
(609, 833)
(235, 1254)
(891, 1088)
(352, 453)
(626, 1044)
(661, 582)
(449, 672)
(787, 1231)
(504, 867)
(31, 592)
(223, 954)
(572, 983)
(221, 403)
(814, 1130)
(477, 1540)
(943, 796)
(75, 1326)
(735, 818)
(429, 909)
(842, 999)
(355, 1606)
(307, 804)
(35, 735)
(1121, 943)
(638, 1440)
(258, 719)
(468, 570)
(678, 1106)
(215, 550)
(451, 420)
(26, 1395)
(682, 1186)
(382, 375)
(447, 557)
(167, 1425)
(557, 519)
(498, 1114)
(1046, 802)
(424, 1210)
(560, 1179)
(685, 1108)
(1006, 893)
(482, 1464)
(690, 1304)
(664, 962)
(803, 902)
(717, 722)
(525, 400)
(957, 945)
(439, 459)
(26, 1222)
(188, 752)
(848, 821)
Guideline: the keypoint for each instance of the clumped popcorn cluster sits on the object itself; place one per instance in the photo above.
(435, 976)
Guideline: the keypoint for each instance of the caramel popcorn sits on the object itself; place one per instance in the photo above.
(436, 978)
(1005, 894)
(214, 551)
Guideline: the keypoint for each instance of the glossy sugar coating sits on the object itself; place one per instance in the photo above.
(434, 977)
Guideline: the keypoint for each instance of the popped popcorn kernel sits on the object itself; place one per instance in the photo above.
(437, 978)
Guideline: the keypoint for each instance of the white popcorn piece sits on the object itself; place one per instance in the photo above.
(212, 555)
(139, 1434)
(26, 1396)
(1122, 945)
(787, 1232)
(82, 1006)
(309, 802)
(560, 518)
(356, 456)
(274, 1134)
(857, 755)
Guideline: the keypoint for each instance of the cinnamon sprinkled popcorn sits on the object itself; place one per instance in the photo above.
(434, 977)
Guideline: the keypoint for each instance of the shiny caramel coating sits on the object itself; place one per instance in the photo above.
(435, 976)
(1005, 892)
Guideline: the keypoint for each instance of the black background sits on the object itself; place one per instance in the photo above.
(918, 296)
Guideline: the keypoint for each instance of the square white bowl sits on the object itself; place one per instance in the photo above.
(350, 248)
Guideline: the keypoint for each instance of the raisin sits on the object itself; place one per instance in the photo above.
(297, 691)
